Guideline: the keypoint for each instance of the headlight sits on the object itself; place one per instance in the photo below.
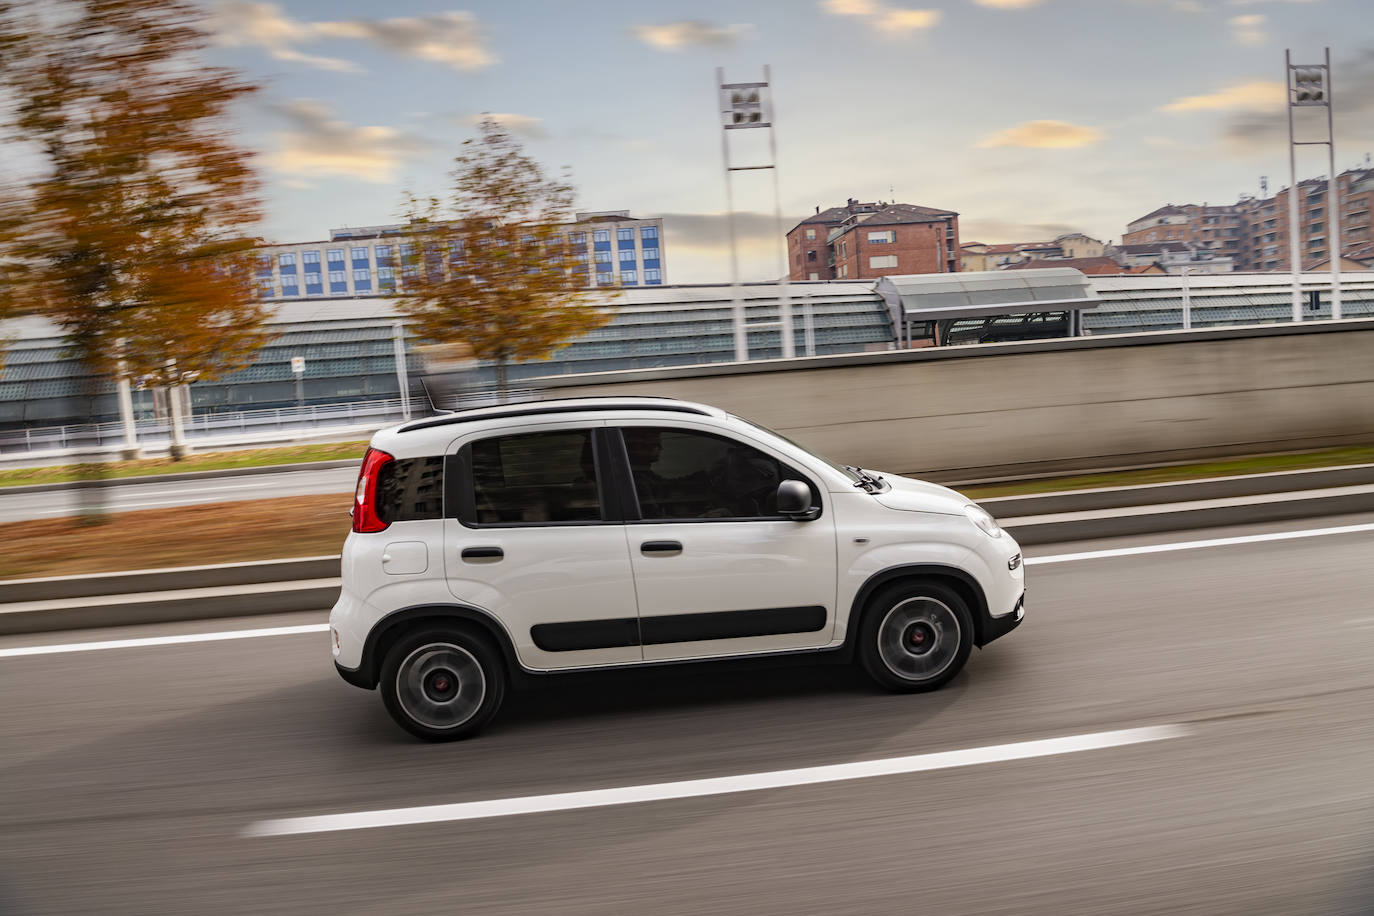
(983, 521)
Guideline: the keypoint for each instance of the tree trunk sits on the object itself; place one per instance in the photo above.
(90, 458)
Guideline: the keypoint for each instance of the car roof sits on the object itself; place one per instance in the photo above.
(648, 403)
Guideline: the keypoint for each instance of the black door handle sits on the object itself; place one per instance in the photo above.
(661, 548)
(483, 553)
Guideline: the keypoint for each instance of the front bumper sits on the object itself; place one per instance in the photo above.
(995, 627)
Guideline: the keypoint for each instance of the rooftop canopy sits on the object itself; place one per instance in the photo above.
(979, 294)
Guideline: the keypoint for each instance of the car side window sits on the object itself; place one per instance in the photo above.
(685, 474)
(535, 478)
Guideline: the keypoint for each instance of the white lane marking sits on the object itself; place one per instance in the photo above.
(1195, 545)
(163, 640)
(721, 785)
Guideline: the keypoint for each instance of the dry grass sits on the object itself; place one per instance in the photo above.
(262, 529)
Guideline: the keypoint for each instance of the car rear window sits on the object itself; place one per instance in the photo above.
(411, 489)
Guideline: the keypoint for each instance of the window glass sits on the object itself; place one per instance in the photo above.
(286, 259)
(651, 254)
(577, 238)
(648, 232)
(627, 254)
(603, 257)
(625, 235)
(601, 235)
(310, 257)
(359, 254)
(681, 474)
(335, 254)
(409, 489)
(361, 274)
(535, 478)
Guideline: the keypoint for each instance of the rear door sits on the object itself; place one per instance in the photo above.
(534, 536)
(716, 569)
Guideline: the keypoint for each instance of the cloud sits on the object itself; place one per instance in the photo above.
(518, 124)
(265, 25)
(692, 32)
(1249, 29)
(1257, 95)
(316, 144)
(1253, 2)
(886, 19)
(993, 231)
(454, 39)
(1008, 4)
(1191, 7)
(1044, 135)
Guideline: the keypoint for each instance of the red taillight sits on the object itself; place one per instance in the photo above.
(365, 517)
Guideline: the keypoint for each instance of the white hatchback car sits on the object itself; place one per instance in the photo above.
(499, 544)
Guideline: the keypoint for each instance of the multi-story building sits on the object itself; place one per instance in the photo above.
(617, 249)
(863, 240)
(1254, 233)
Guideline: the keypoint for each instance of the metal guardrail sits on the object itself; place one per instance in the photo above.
(206, 425)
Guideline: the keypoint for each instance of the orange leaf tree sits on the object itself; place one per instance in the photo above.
(137, 214)
(493, 268)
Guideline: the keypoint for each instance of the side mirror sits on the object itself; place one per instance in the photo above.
(794, 501)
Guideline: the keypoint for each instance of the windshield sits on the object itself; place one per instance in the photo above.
(852, 475)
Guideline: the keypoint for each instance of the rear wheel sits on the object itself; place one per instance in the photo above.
(442, 684)
(915, 636)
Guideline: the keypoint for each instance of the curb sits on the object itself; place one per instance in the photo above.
(1154, 494)
(184, 475)
(1033, 531)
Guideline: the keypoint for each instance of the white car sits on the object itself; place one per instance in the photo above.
(495, 545)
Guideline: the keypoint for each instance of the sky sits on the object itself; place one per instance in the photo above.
(1030, 118)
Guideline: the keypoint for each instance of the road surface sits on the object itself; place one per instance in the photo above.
(138, 779)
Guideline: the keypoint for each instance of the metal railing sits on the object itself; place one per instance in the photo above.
(242, 425)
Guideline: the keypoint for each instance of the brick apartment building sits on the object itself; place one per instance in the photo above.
(1254, 233)
(863, 240)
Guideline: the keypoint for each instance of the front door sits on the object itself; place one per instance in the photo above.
(716, 569)
(533, 540)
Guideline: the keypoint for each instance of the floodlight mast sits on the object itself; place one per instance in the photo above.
(1309, 86)
(749, 106)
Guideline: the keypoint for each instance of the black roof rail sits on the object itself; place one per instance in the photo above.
(614, 402)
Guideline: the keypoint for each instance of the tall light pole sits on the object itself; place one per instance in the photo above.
(749, 106)
(1309, 86)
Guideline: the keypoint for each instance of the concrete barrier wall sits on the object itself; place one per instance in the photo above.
(1047, 406)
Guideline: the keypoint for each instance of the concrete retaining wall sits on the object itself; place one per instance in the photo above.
(1043, 406)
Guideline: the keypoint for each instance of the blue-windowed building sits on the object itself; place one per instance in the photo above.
(619, 250)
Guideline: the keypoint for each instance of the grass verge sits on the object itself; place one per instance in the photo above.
(207, 461)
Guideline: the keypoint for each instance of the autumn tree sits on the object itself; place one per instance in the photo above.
(491, 266)
(137, 213)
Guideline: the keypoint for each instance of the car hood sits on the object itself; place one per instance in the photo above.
(909, 495)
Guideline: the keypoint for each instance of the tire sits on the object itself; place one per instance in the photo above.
(442, 684)
(915, 636)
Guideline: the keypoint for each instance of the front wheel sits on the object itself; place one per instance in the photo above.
(442, 684)
(915, 636)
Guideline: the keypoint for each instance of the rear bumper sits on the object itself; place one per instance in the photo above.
(995, 627)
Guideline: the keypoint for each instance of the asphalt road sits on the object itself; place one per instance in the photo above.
(128, 776)
(124, 496)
